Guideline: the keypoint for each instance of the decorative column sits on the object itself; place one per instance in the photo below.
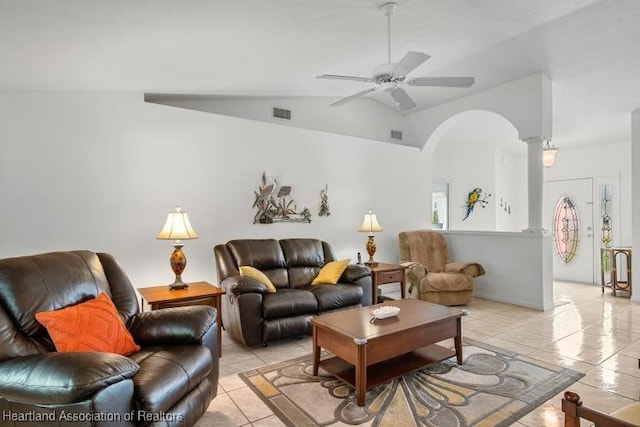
(535, 181)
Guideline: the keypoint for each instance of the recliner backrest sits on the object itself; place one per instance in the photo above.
(51, 281)
(428, 248)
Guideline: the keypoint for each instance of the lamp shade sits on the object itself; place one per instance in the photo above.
(370, 223)
(549, 154)
(177, 227)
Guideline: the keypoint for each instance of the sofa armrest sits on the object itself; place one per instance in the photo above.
(359, 275)
(353, 272)
(237, 285)
(173, 326)
(472, 269)
(62, 378)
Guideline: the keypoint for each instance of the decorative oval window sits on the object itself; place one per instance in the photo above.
(566, 226)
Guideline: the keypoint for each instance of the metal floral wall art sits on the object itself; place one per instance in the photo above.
(476, 197)
(274, 203)
(324, 202)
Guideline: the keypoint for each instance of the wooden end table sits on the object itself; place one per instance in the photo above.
(613, 253)
(383, 273)
(198, 293)
(371, 353)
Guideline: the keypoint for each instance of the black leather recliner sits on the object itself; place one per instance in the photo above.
(169, 382)
(253, 316)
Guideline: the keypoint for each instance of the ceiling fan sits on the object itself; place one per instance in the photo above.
(390, 77)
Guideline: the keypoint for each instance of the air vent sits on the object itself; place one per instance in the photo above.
(396, 134)
(281, 113)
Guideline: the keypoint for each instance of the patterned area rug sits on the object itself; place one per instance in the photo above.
(493, 387)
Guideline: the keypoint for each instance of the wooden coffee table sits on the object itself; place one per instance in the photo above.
(368, 354)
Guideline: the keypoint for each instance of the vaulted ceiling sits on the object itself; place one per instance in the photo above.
(590, 49)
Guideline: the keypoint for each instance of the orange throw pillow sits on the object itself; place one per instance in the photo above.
(93, 325)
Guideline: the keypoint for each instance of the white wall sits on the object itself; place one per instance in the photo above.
(483, 150)
(364, 117)
(518, 265)
(511, 188)
(100, 171)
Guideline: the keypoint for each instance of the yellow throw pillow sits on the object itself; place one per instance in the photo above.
(258, 275)
(330, 273)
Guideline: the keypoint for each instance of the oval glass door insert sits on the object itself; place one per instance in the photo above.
(566, 227)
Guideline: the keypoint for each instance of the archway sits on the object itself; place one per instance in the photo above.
(480, 149)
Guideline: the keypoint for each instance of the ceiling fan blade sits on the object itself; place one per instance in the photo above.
(442, 81)
(402, 99)
(352, 97)
(409, 62)
(338, 77)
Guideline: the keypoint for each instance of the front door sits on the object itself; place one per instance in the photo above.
(568, 214)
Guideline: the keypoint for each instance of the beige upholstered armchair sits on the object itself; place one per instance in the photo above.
(431, 276)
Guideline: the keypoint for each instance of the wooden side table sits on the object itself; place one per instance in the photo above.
(386, 273)
(620, 285)
(198, 293)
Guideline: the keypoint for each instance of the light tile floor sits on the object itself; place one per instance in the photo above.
(596, 334)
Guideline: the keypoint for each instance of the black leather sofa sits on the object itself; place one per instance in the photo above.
(169, 382)
(254, 316)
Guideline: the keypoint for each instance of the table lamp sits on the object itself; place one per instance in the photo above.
(177, 228)
(370, 225)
